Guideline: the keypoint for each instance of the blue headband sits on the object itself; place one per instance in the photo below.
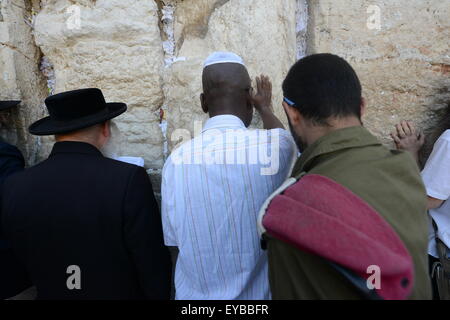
(289, 102)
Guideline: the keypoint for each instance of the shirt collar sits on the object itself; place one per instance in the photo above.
(75, 147)
(223, 121)
(347, 138)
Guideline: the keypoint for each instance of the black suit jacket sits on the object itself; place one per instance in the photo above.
(13, 276)
(81, 209)
(11, 160)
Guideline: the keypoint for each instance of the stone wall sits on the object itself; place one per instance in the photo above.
(20, 77)
(261, 31)
(403, 62)
(149, 54)
(116, 47)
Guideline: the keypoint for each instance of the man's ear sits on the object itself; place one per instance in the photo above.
(292, 113)
(106, 129)
(249, 98)
(203, 103)
(363, 106)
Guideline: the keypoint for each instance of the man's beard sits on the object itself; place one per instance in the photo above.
(111, 148)
(301, 145)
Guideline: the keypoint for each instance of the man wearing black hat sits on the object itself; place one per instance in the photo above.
(13, 277)
(87, 227)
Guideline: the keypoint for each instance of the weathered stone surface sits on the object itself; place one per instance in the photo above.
(261, 31)
(117, 48)
(20, 78)
(404, 66)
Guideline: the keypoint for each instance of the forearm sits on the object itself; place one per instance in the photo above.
(415, 155)
(434, 203)
(270, 121)
(263, 103)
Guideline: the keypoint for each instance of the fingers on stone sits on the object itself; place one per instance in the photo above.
(258, 83)
(421, 137)
(405, 128)
(395, 137)
(411, 127)
(400, 131)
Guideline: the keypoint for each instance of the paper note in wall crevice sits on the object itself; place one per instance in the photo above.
(138, 161)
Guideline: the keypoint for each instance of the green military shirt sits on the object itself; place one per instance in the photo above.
(387, 180)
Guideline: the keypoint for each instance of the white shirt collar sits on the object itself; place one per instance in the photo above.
(223, 121)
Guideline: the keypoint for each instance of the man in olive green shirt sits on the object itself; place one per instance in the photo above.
(324, 106)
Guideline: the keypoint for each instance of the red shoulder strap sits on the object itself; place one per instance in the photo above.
(320, 216)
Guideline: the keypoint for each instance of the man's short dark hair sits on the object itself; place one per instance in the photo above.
(323, 86)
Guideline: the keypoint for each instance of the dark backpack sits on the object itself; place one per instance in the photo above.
(440, 271)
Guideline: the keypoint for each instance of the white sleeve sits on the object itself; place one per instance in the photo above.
(436, 174)
(168, 206)
(288, 152)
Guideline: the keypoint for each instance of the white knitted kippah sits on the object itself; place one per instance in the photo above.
(223, 57)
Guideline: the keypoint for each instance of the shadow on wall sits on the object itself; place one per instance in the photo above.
(440, 121)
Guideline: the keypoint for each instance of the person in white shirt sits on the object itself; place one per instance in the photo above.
(214, 185)
(436, 177)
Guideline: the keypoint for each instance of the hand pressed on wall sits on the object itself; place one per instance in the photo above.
(407, 138)
(262, 99)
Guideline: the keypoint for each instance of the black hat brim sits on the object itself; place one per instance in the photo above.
(48, 126)
(8, 104)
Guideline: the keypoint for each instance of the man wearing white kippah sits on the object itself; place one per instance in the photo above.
(214, 185)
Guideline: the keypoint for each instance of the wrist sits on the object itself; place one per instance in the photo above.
(264, 109)
(413, 151)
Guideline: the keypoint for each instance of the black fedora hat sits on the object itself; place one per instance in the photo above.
(74, 110)
(8, 104)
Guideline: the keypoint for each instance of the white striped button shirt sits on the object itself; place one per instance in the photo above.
(213, 187)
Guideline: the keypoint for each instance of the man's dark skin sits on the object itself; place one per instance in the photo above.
(407, 138)
(227, 90)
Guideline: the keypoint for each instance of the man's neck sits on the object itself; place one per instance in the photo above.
(76, 139)
(317, 132)
(224, 112)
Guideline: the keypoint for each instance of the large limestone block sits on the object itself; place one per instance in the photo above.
(116, 46)
(20, 77)
(404, 64)
(263, 32)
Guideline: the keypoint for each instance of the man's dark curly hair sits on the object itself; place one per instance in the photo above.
(323, 86)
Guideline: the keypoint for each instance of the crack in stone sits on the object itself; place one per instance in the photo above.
(199, 26)
(441, 67)
(217, 5)
(301, 27)
(15, 49)
(166, 10)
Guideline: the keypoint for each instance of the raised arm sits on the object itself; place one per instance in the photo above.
(262, 100)
(407, 138)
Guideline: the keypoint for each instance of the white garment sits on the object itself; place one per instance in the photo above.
(436, 176)
(137, 161)
(210, 208)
